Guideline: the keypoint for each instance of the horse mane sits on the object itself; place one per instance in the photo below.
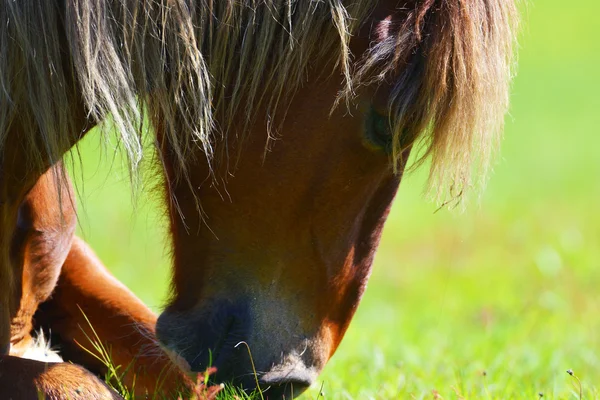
(190, 66)
(453, 64)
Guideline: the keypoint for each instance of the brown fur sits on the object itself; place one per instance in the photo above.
(46, 229)
(88, 297)
(220, 78)
(70, 291)
(28, 379)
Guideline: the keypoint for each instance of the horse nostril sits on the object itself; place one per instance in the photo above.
(207, 336)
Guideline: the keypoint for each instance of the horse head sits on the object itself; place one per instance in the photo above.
(315, 107)
(282, 129)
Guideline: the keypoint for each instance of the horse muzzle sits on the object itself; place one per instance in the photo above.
(224, 336)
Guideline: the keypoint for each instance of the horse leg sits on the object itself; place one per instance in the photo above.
(29, 379)
(89, 303)
(47, 224)
(16, 180)
(42, 235)
(10, 267)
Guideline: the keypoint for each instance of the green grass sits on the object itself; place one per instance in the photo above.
(497, 302)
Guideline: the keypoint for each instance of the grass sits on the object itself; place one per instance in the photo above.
(496, 302)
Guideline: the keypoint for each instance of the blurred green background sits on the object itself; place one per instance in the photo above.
(495, 302)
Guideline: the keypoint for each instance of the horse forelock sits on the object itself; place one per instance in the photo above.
(450, 64)
(194, 65)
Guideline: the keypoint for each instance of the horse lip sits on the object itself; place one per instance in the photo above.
(285, 389)
(300, 377)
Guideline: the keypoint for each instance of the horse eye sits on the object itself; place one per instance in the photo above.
(378, 130)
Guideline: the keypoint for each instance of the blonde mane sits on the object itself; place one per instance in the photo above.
(192, 65)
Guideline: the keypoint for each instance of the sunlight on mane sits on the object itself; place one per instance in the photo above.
(191, 70)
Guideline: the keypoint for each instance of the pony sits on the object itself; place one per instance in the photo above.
(280, 129)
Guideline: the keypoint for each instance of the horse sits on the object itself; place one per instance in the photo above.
(280, 130)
